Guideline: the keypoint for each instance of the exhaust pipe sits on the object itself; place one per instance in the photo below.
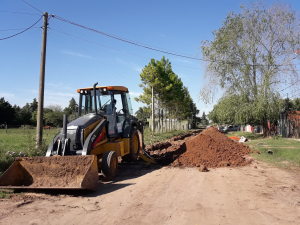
(95, 99)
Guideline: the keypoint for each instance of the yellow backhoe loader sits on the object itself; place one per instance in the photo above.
(104, 130)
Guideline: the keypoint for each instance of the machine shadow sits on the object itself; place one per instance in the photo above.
(126, 171)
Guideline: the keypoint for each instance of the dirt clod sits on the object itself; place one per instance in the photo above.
(203, 168)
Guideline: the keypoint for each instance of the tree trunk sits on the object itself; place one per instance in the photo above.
(158, 122)
(266, 130)
(153, 119)
(162, 121)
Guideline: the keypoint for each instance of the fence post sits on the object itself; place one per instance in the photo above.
(6, 128)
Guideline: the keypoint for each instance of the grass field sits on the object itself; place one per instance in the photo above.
(286, 152)
(21, 142)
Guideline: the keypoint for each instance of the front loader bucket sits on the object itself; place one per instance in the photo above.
(56, 172)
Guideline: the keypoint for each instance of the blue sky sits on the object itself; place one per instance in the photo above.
(73, 63)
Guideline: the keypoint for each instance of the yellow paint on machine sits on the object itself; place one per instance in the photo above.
(90, 128)
(120, 146)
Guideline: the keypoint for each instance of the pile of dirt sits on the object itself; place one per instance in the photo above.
(166, 152)
(210, 148)
(213, 149)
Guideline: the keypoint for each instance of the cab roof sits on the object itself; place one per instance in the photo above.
(111, 88)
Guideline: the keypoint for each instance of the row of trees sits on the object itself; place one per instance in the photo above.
(171, 98)
(250, 60)
(228, 110)
(27, 115)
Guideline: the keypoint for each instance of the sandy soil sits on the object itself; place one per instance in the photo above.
(168, 195)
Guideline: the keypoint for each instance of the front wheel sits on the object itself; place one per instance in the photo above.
(109, 165)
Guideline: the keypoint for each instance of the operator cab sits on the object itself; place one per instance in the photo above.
(112, 102)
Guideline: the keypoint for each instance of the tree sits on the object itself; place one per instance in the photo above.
(287, 105)
(7, 112)
(203, 119)
(142, 114)
(33, 105)
(251, 57)
(72, 109)
(296, 102)
(53, 115)
(159, 76)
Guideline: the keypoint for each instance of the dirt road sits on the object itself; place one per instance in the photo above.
(168, 195)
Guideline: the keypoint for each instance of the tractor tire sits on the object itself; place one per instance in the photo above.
(134, 147)
(109, 165)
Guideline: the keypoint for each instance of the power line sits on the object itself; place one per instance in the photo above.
(92, 55)
(18, 29)
(32, 6)
(290, 86)
(115, 48)
(120, 38)
(31, 14)
(22, 31)
(154, 48)
(124, 40)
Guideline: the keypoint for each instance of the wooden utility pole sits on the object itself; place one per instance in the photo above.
(40, 112)
(153, 119)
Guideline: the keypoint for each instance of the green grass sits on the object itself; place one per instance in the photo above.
(286, 152)
(160, 137)
(22, 143)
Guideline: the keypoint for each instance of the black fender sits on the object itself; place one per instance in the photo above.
(128, 124)
(92, 138)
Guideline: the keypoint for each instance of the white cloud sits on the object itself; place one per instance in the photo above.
(6, 95)
(132, 65)
(182, 61)
(76, 54)
(61, 94)
(135, 93)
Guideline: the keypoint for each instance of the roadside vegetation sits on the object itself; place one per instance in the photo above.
(148, 140)
(281, 152)
(21, 142)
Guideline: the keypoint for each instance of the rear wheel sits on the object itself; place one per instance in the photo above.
(134, 146)
(109, 165)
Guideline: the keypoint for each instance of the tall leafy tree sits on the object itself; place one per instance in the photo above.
(252, 56)
(142, 113)
(7, 112)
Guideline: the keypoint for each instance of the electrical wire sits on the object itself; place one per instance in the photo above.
(31, 14)
(154, 48)
(17, 29)
(32, 6)
(124, 40)
(1, 39)
(115, 48)
(290, 85)
(92, 55)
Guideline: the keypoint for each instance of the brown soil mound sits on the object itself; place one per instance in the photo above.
(213, 149)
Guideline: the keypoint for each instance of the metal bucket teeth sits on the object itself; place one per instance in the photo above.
(57, 172)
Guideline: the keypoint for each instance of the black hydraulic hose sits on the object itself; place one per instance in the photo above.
(95, 99)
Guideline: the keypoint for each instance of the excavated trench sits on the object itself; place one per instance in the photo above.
(208, 148)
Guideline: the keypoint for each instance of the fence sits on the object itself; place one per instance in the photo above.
(169, 125)
(288, 124)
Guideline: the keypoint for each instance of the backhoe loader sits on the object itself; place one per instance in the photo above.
(104, 130)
